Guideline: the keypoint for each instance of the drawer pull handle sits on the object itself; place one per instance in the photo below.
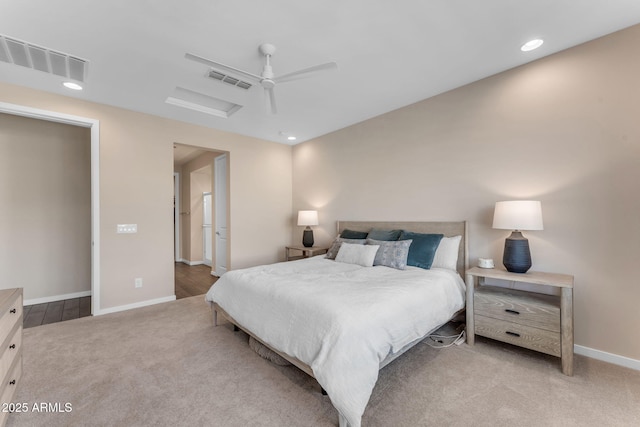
(12, 346)
(12, 311)
(513, 334)
(12, 382)
(511, 311)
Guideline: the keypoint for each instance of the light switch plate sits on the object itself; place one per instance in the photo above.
(127, 228)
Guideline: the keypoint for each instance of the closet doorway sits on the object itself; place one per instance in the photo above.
(72, 237)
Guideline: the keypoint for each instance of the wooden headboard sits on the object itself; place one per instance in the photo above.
(449, 229)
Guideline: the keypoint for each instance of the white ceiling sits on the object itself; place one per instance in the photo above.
(389, 53)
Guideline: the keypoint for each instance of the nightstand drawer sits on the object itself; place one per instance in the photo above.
(524, 308)
(529, 337)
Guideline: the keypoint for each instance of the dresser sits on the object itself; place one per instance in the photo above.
(11, 346)
(531, 320)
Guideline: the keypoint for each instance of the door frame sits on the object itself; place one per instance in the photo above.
(218, 205)
(176, 217)
(211, 233)
(94, 126)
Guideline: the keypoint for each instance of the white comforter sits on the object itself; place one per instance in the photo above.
(340, 319)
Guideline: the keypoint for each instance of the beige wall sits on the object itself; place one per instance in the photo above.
(564, 130)
(45, 207)
(136, 186)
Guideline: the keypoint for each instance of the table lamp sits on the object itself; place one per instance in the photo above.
(517, 215)
(307, 218)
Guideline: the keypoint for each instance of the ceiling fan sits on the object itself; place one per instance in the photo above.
(266, 79)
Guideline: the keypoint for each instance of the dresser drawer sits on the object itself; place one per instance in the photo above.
(10, 350)
(529, 337)
(523, 308)
(9, 388)
(10, 316)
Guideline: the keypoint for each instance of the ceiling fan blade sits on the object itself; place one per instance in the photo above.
(307, 72)
(221, 67)
(271, 100)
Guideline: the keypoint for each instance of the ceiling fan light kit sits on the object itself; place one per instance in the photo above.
(266, 79)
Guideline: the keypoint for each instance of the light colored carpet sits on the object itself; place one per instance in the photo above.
(166, 365)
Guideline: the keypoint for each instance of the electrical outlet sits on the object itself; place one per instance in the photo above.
(138, 282)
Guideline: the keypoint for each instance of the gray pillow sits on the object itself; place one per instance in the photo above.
(335, 247)
(391, 254)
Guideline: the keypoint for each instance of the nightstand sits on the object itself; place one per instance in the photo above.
(305, 251)
(532, 320)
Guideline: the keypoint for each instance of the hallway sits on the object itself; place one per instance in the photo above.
(193, 280)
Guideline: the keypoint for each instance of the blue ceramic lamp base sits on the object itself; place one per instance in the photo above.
(517, 256)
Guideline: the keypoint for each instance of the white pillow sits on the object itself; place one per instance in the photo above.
(351, 253)
(447, 253)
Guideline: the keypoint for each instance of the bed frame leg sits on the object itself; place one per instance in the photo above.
(215, 318)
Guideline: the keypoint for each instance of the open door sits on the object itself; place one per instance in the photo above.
(220, 206)
(207, 244)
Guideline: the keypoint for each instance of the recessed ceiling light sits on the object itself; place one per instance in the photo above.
(531, 45)
(72, 85)
(288, 135)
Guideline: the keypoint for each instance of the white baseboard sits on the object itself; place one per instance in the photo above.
(627, 362)
(135, 305)
(53, 298)
(184, 261)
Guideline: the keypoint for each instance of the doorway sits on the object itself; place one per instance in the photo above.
(94, 126)
(201, 219)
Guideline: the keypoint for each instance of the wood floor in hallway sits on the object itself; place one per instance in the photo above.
(189, 281)
(193, 280)
(56, 311)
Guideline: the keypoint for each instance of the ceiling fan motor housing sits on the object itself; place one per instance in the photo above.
(267, 49)
(267, 83)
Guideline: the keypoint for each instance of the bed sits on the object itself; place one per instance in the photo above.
(341, 322)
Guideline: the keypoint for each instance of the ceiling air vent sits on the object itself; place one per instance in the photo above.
(217, 75)
(40, 58)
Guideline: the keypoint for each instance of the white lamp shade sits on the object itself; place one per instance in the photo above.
(307, 217)
(518, 215)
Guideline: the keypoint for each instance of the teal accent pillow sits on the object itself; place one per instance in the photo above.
(351, 234)
(385, 235)
(422, 249)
